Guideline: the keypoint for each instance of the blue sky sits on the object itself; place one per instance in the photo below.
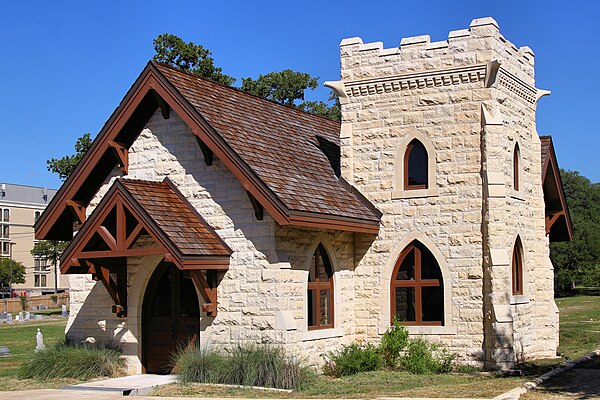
(66, 64)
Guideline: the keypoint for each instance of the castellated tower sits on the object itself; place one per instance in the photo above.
(441, 137)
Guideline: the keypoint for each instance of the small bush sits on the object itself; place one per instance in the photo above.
(421, 358)
(393, 342)
(353, 358)
(74, 361)
(248, 366)
(24, 301)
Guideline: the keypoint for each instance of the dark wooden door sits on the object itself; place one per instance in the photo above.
(171, 317)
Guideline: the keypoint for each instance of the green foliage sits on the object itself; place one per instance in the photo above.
(49, 249)
(352, 359)
(578, 261)
(265, 366)
(54, 299)
(320, 108)
(423, 357)
(283, 87)
(189, 57)
(393, 342)
(65, 166)
(24, 300)
(70, 361)
(18, 271)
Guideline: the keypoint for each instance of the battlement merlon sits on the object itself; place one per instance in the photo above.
(480, 43)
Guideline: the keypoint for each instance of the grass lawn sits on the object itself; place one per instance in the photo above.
(579, 325)
(20, 340)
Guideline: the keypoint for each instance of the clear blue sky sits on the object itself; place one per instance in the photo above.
(66, 64)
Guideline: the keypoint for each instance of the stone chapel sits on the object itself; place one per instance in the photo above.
(203, 213)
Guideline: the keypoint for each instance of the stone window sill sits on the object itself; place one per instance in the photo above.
(431, 330)
(518, 195)
(318, 334)
(519, 299)
(411, 194)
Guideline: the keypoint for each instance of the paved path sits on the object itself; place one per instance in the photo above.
(581, 382)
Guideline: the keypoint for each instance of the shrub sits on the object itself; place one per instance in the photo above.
(265, 365)
(24, 301)
(421, 358)
(353, 358)
(74, 361)
(393, 342)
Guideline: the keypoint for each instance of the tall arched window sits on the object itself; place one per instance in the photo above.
(417, 288)
(516, 159)
(517, 268)
(320, 290)
(415, 166)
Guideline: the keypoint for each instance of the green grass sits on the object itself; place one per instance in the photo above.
(579, 325)
(20, 340)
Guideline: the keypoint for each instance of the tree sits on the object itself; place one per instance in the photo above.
(189, 57)
(65, 166)
(578, 261)
(51, 251)
(18, 271)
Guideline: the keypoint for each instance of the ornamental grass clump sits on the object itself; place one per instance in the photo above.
(82, 362)
(252, 365)
(423, 357)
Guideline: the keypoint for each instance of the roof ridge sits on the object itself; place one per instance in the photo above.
(239, 90)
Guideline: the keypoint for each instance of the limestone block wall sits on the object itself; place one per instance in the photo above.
(261, 298)
(468, 99)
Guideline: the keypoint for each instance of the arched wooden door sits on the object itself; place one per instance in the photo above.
(170, 318)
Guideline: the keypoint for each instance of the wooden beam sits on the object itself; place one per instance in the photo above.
(206, 151)
(551, 219)
(133, 235)
(258, 208)
(116, 290)
(107, 237)
(122, 253)
(208, 293)
(78, 210)
(122, 154)
(121, 226)
(165, 108)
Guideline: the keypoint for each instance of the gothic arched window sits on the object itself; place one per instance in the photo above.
(516, 160)
(517, 268)
(417, 288)
(320, 290)
(415, 166)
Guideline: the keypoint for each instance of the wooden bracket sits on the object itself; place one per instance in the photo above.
(117, 290)
(551, 219)
(165, 109)
(209, 292)
(208, 154)
(78, 210)
(122, 154)
(258, 208)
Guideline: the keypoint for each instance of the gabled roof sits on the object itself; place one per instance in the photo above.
(278, 153)
(134, 208)
(558, 220)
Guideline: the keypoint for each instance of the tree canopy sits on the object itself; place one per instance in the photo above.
(18, 271)
(578, 261)
(66, 165)
(189, 57)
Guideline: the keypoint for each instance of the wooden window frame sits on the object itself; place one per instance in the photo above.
(516, 161)
(417, 284)
(407, 185)
(317, 286)
(517, 268)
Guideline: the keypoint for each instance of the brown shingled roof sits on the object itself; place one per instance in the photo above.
(285, 147)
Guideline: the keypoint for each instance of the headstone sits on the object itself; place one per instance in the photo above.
(4, 351)
(38, 317)
(9, 320)
(17, 317)
(39, 341)
(34, 308)
(4, 315)
(64, 312)
(20, 315)
(27, 315)
(42, 307)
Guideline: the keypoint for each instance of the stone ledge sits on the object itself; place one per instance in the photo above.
(322, 334)
(411, 194)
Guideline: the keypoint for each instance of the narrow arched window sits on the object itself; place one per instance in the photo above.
(417, 288)
(517, 268)
(415, 166)
(320, 290)
(516, 159)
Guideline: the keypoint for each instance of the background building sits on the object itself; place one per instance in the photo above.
(20, 207)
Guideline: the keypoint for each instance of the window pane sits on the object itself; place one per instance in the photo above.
(6, 215)
(429, 267)
(432, 303)
(312, 303)
(324, 307)
(405, 304)
(407, 268)
(43, 280)
(312, 271)
(36, 280)
(417, 164)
